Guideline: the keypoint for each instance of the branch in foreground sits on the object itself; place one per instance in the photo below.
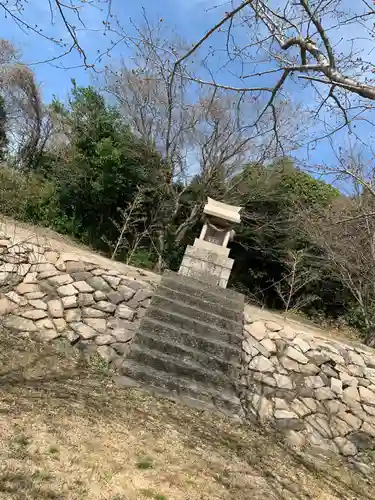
(317, 51)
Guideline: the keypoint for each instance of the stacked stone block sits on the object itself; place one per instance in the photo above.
(318, 392)
(206, 265)
(51, 295)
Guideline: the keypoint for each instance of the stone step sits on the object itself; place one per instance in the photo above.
(188, 345)
(202, 302)
(190, 392)
(195, 326)
(211, 346)
(180, 282)
(183, 352)
(174, 306)
(175, 367)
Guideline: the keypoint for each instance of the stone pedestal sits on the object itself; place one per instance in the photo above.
(206, 264)
(208, 259)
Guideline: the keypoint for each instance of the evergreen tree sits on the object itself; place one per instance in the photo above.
(3, 135)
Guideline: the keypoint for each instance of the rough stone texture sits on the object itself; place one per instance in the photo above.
(45, 324)
(107, 353)
(320, 393)
(86, 299)
(55, 308)
(67, 290)
(90, 312)
(33, 314)
(60, 324)
(126, 312)
(257, 329)
(114, 297)
(98, 283)
(98, 324)
(6, 306)
(23, 288)
(85, 331)
(17, 299)
(106, 307)
(19, 323)
(38, 304)
(60, 279)
(127, 292)
(69, 302)
(104, 339)
(315, 390)
(50, 294)
(73, 315)
(296, 355)
(83, 287)
(261, 364)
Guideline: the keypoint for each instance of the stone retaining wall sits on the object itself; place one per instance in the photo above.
(50, 294)
(319, 392)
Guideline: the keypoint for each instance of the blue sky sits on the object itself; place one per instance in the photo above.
(179, 14)
(188, 18)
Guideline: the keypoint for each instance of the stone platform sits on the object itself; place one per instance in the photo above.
(204, 264)
(188, 346)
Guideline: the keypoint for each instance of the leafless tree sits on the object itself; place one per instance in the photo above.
(324, 46)
(8, 53)
(270, 44)
(70, 15)
(300, 272)
(346, 235)
(32, 127)
(158, 110)
(203, 134)
(25, 95)
(22, 102)
(131, 219)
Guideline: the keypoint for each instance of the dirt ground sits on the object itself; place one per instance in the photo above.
(67, 433)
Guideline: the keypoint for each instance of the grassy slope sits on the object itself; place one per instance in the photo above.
(67, 433)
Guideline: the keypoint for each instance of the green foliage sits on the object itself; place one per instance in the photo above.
(143, 258)
(12, 184)
(3, 134)
(273, 196)
(82, 190)
(145, 462)
(281, 185)
(148, 493)
(30, 197)
(105, 166)
(296, 186)
(87, 187)
(353, 315)
(41, 202)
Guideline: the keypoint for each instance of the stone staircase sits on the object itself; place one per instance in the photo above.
(188, 345)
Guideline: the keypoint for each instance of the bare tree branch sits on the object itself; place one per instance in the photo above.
(300, 39)
(65, 13)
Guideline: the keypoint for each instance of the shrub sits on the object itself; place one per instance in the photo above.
(12, 191)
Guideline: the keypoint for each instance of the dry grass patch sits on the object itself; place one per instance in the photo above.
(67, 433)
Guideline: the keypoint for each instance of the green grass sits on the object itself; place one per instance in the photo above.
(53, 449)
(145, 463)
(147, 493)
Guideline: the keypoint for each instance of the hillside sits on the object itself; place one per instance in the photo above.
(70, 433)
(154, 347)
(67, 433)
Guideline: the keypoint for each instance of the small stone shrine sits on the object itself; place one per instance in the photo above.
(208, 259)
